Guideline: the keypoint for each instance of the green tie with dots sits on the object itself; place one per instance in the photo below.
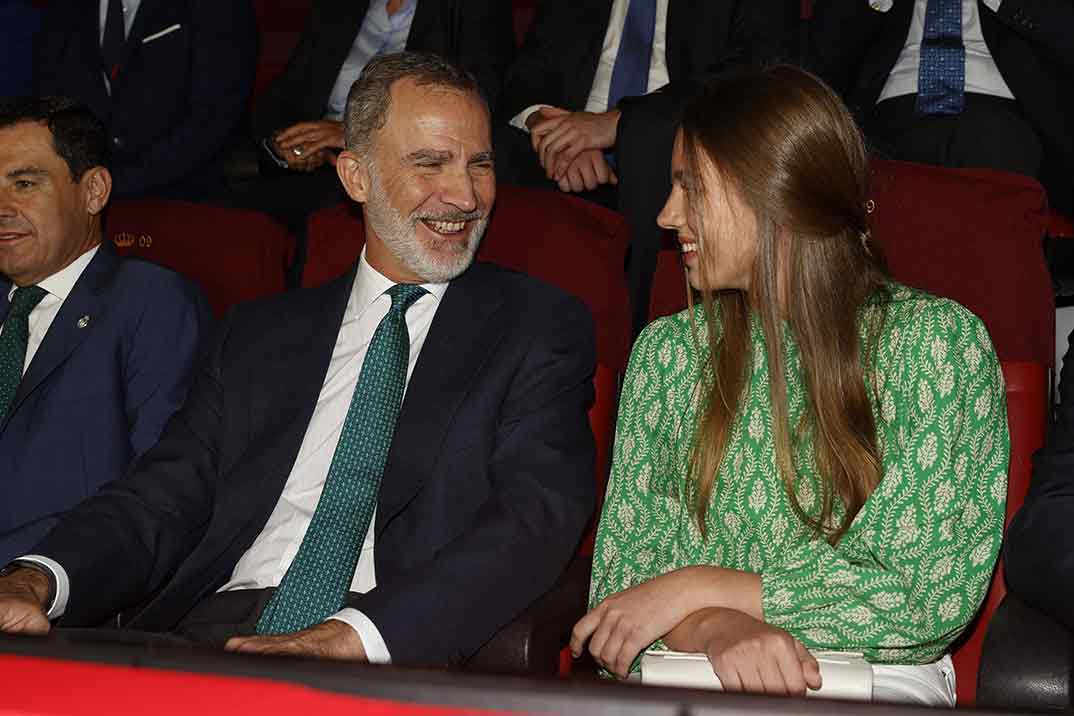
(13, 341)
(316, 584)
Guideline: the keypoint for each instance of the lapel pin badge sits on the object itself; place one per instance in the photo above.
(83, 322)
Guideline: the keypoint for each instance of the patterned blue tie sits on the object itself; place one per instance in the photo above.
(630, 75)
(941, 82)
(316, 584)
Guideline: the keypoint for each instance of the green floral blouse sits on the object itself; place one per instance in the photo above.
(913, 567)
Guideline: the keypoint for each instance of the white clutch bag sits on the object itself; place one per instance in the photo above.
(845, 676)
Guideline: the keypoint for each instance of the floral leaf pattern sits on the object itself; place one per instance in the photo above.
(912, 569)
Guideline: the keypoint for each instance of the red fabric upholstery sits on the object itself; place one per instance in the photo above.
(279, 27)
(523, 11)
(1059, 226)
(974, 236)
(30, 689)
(233, 255)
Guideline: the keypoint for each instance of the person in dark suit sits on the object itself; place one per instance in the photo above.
(597, 78)
(96, 352)
(298, 500)
(298, 124)
(1010, 100)
(169, 78)
(1039, 549)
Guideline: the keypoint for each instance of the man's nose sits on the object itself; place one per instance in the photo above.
(458, 191)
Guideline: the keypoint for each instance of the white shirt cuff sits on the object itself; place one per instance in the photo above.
(376, 651)
(519, 120)
(881, 5)
(59, 579)
(993, 5)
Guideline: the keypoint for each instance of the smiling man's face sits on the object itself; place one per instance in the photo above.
(46, 217)
(428, 184)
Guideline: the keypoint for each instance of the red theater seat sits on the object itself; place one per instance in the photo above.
(233, 255)
(973, 235)
(279, 27)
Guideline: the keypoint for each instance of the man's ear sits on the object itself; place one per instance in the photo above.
(97, 188)
(353, 172)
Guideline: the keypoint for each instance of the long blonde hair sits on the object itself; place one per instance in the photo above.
(787, 146)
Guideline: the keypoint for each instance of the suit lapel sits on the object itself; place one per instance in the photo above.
(467, 325)
(89, 297)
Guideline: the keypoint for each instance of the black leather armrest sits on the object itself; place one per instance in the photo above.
(1025, 661)
(532, 642)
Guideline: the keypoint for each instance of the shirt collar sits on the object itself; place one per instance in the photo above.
(61, 283)
(370, 284)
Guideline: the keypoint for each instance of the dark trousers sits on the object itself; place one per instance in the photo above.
(990, 133)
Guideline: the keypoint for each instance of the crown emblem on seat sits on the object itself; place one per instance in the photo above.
(124, 240)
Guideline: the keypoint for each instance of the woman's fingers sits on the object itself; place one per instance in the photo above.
(583, 629)
(810, 667)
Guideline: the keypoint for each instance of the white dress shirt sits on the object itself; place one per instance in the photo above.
(602, 80)
(268, 558)
(58, 286)
(982, 74)
(130, 9)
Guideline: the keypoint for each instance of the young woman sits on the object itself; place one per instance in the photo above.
(814, 456)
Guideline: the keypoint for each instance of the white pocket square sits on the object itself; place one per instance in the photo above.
(162, 33)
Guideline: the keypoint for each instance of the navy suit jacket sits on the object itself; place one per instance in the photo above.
(854, 48)
(180, 93)
(95, 396)
(488, 485)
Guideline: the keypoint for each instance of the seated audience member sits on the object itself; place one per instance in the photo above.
(170, 80)
(96, 352)
(20, 20)
(1039, 556)
(298, 500)
(598, 78)
(298, 124)
(814, 456)
(961, 83)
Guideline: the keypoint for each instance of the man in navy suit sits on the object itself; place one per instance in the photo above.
(169, 78)
(95, 352)
(298, 503)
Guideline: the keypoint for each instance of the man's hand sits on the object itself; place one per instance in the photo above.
(307, 146)
(588, 171)
(560, 139)
(23, 602)
(332, 639)
(748, 654)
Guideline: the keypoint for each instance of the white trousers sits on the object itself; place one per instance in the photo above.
(917, 684)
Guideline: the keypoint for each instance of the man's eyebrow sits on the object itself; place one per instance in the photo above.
(428, 155)
(483, 157)
(26, 171)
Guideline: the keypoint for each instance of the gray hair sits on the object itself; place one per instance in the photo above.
(370, 96)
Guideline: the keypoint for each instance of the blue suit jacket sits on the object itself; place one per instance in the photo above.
(95, 397)
(488, 485)
(180, 94)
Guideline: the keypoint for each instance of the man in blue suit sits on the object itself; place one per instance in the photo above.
(96, 352)
(169, 78)
(299, 503)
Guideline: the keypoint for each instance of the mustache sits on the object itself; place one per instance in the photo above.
(452, 216)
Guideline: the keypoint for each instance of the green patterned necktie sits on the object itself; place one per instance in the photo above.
(316, 584)
(13, 341)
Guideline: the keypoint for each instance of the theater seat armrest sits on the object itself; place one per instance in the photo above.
(1025, 661)
(531, 644)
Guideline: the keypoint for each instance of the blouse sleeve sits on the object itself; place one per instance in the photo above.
(913, 568)
(641, 507)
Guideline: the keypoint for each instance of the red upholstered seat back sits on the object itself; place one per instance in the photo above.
(233, 255)
(567, 242)
(279, 27)
(973, 236)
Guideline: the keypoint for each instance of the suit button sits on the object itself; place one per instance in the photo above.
(117, 142)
